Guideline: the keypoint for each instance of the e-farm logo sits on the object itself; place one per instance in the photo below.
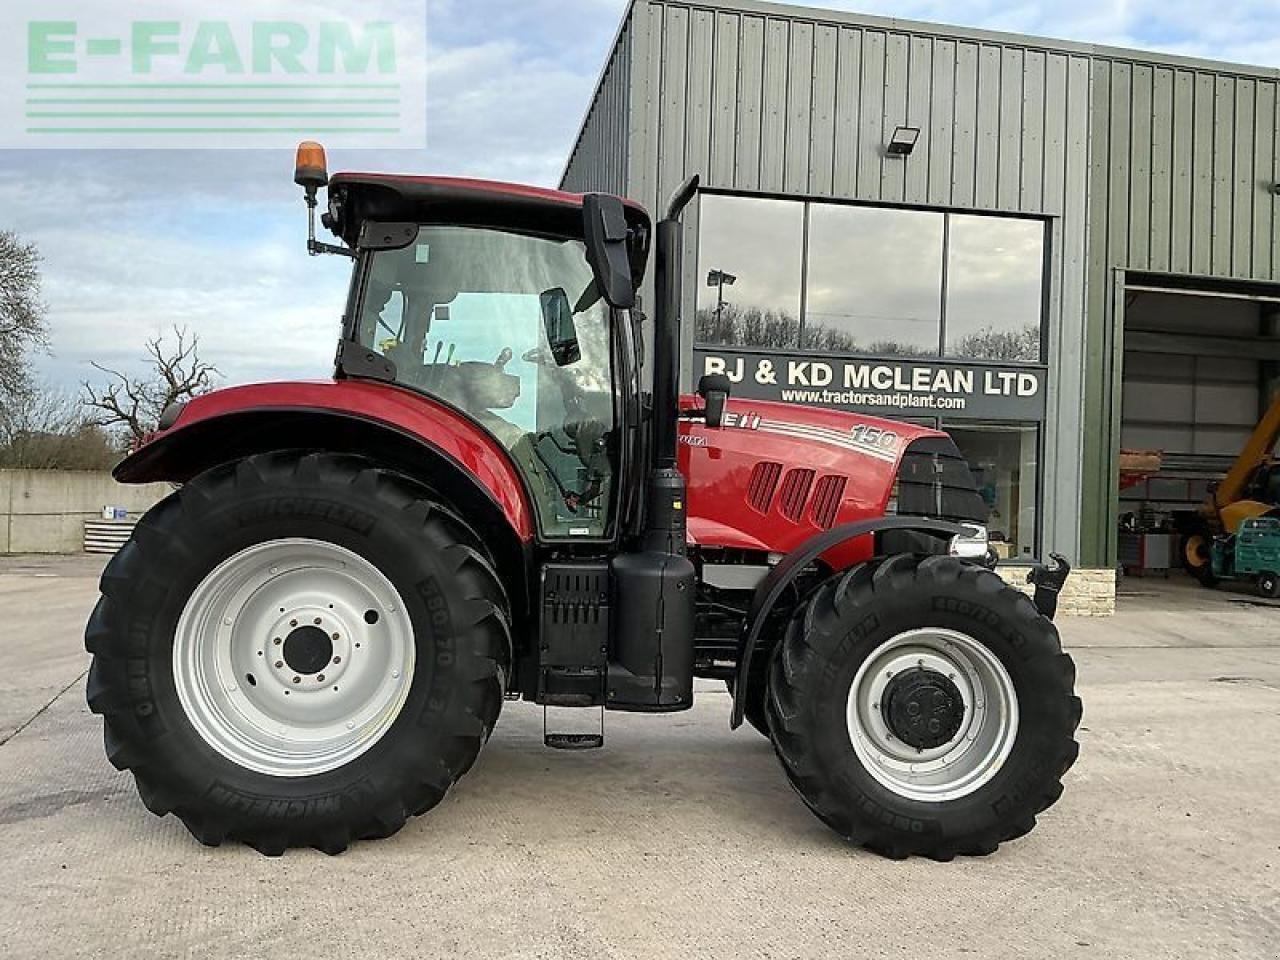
(204, 74)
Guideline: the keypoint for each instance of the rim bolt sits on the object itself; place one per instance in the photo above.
(336, 637)
(888, 736)
(279, 664)
(888, 673)
(395, 674)
(226, 621)
(351, 725)
(337, 659)
(293, 623)
(277, 641)
(316, 621)
(297, 679)
(320, 679)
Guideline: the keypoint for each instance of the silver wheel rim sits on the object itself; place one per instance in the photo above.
(306, 712)
(978, 749)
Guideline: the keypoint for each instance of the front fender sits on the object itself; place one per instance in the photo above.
(784, 574)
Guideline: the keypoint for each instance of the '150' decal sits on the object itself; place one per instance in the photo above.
(875, 440)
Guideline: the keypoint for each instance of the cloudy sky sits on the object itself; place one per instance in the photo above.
(137, 241)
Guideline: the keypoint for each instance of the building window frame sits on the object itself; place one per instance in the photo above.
(947, 213)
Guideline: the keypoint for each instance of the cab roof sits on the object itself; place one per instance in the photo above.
(356, 197)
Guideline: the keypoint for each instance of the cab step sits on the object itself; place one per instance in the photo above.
(573, 735)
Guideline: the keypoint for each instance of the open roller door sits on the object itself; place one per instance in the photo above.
(1201, 366)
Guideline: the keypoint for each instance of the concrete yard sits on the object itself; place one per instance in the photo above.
(679, 839)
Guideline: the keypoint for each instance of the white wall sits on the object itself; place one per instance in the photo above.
(43, 511)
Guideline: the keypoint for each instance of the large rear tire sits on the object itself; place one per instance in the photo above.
(298, 650)
(923, 706)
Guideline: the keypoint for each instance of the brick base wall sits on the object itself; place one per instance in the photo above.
(1088, 593)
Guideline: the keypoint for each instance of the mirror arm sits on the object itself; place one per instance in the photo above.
(314, 246)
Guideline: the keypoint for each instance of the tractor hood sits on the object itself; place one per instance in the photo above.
(777, 474)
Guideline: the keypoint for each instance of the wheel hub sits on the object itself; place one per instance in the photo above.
(307, 650)
(932, 714)
(922, 708)
(293, 657)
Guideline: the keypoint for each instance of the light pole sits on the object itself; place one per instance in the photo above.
(720, 279)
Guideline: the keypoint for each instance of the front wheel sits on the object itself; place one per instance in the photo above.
(1197, 557)
(298, 650)
(923, 706)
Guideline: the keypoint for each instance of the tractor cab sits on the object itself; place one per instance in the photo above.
(486, 297)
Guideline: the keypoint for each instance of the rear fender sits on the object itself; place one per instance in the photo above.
(404, 431)
(784, 575)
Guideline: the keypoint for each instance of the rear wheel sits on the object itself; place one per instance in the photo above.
(923, 707)
(298, 650)
(1268, 585)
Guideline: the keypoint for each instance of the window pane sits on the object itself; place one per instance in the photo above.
(875, 281)
(1004, 459)
(465, 314)
(756, 247)
(995, 275)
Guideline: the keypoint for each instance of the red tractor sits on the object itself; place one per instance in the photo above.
(311, 639)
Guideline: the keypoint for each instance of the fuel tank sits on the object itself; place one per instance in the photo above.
(774, 475)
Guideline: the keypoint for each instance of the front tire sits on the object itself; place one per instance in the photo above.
(923, 706)
(298, 650)
(1197, 556)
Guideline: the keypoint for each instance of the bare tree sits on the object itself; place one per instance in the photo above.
(21, 312)
(991, 343)
(136, 403)
(46, 429)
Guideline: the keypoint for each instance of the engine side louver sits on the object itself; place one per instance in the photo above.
(764, 482)
(826, 500)
(795, 493)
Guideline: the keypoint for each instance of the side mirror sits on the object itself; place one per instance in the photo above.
(557, 321)
(713, 388)
(604, 223)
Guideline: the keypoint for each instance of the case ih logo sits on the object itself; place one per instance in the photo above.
(133, 73)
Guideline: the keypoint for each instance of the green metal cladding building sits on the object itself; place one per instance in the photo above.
(1053, 250)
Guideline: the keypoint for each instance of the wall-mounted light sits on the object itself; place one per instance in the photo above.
(903, 141)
